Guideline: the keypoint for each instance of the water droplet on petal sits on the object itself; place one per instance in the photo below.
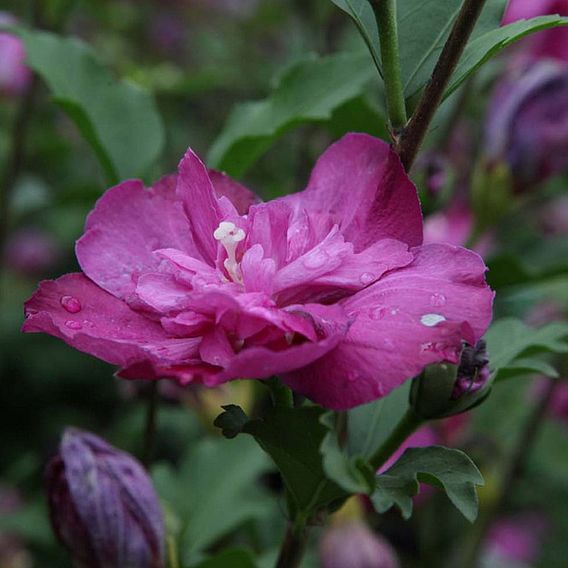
(377, 313)
(394, 311)
(430, 320)
(72, 324)
(388, 344)
(437, 300)
(315, 259)
(366, 278)
(71, 304)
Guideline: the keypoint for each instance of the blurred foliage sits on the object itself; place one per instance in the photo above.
(188, 66)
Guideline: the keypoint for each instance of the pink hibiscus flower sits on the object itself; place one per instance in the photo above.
(330, 288)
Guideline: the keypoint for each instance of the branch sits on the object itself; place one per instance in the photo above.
(413, 135)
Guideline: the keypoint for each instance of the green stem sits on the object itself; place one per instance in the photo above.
(150, 427)
(408, 424)
(413, 134)
(385, 12)
(512, 470)
(293, 546)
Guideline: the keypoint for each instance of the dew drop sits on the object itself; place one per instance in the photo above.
(71, 304)
(377, 313)
(366, 278)
(72, 324)
(315, 260)
(437, 300)
(430, 320)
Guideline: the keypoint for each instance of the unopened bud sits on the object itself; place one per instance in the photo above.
(103, 506)
(445, 390)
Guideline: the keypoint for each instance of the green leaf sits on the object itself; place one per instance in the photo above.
(528, 365)
(363, 16)
(482, 48)
(349, 472)
(119, 120)
(232, 558)
(368, 426)
(232, 421)
(423, 29)
(292, 437)
(508, 339)
(308, 92)
(449, 469)
(214, 491)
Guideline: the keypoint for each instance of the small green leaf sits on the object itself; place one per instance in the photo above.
(363, 16)
(449, 469)
(482, 48)
(508, 339)
(292, 437)
(119, 120)
(229, 558)
(393, 490)
(309, 91)
(231, 421)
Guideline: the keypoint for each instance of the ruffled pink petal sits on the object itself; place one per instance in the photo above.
(258, 361)
(89, 319)
(361, 183)
(195, 190)
(350, 272)
(162, 292)
(240, 196)
(410, 318)
(128, 224)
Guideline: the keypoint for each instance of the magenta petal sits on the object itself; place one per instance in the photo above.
(91, 320)
(361, 183)
(196, 191)
(412, 317)
(239, 195)
(128, 223)
(258, 361)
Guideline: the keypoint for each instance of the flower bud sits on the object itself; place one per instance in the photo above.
(354, 545)
(445, 390)
(103, 506)
(15, 76)
(527, 126)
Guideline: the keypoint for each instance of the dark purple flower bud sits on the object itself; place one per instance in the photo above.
(473, 371)
(103, 506)
(527, 126)
(354, 545)
(446, 390)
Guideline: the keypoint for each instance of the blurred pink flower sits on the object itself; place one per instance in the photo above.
(559, 404)
(517, 539)
(551, 43)
(527, 122)
(193, 280)
(454, 225)
(554, 216)
(31, 252)
(353, 545)
(15, 76)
